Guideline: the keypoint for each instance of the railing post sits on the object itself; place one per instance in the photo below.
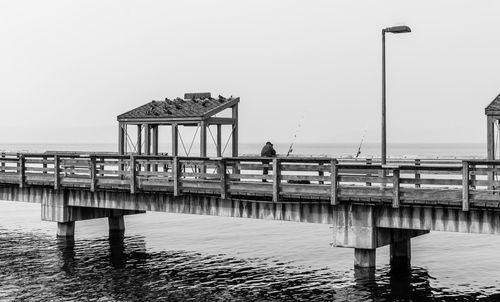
(57, 180)
(3, 162)
(321, 173)
(417, 173)
(176, 175)
(22, 170)
(276, 179)
(132, 174)
(93, 177)
(465, 186)
(472, 177)
(101, 167)
(223, 178)
(44, 164)
(395, 188)
(334, 189)
(369, 163)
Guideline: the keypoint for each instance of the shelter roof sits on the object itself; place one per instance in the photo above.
(195, 105)
(494, 107)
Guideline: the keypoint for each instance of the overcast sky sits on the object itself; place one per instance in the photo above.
(68, 68)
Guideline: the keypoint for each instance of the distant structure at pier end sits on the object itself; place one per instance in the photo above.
(492, 112)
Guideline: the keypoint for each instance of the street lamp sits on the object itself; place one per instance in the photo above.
(394, 30)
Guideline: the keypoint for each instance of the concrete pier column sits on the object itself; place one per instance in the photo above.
(66, 229)
(401, 254)
(116, 225)
(364, 258)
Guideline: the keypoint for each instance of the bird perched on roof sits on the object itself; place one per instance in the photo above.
(222, 99)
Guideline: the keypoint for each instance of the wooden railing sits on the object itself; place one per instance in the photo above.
(448, 182)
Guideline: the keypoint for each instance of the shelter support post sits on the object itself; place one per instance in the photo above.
(121, 138)
(219, 140)
(491, 146)
(139, 139)
(203, 144)
(491, 137)
(155, 145)
(175, 140)
(147, 142)
(235, 130)
(203, 139)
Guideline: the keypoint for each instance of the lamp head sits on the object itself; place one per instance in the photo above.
(397, 29)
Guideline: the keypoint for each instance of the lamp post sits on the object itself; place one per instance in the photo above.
(394, 30)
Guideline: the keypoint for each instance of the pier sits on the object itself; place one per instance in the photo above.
(366, 203)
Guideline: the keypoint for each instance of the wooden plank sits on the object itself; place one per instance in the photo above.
(432, 181)
(363, 179)
(132, 174)
(201, 184)
(465, 186)
(37, 169)
(250, 176)
(311, 168)
(276, 179)
(255, 187)
(395, 188)
(306, 190)
(320, 179)
(436, 195)
(117, 181)
(334, 182)
(22, 171)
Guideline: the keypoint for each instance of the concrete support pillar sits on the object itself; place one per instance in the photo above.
(116, 224)
(364, 258)
(401, 254)
(66, 229)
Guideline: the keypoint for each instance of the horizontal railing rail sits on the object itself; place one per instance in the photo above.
(462, 183)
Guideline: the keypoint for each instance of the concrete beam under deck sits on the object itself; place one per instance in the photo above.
(113, 203)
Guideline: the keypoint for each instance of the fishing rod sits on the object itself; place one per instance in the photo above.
(290, 149)
(360, 144)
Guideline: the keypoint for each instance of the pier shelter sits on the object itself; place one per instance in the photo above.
(492, 112)
(194, 110)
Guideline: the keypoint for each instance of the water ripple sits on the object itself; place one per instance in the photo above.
(34, 267)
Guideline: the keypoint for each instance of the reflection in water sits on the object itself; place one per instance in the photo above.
(121, 269)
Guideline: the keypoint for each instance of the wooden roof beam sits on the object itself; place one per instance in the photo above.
(230, 103)
(221, 121)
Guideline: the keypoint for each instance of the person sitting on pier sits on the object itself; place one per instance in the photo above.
(267, 151)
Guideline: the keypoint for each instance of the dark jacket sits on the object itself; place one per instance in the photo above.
(268, 151)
